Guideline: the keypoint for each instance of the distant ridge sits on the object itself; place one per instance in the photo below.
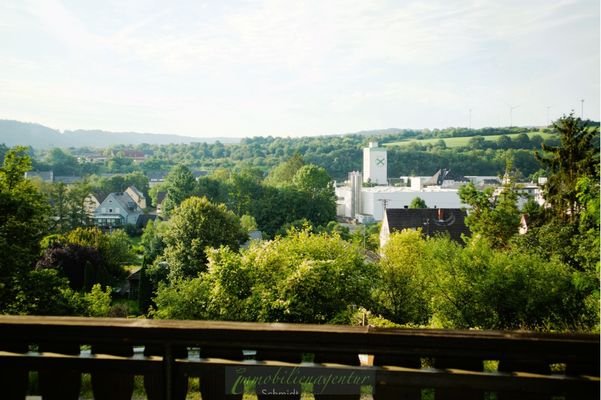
(38, 136)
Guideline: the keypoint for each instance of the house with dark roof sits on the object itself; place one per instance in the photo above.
(432, 222)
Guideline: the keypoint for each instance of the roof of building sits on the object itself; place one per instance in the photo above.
(99, 195)
(161, 197)
(432, 221)
(124, 200)
(136, 191)
(156, 175)
(144, 218)
(442, 175)
(43, 175)
(67, 179)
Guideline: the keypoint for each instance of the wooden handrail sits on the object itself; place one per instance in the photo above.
(455, 356)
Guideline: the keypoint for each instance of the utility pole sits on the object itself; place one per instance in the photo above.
(384, 204)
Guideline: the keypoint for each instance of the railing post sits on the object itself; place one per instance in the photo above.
(156, 383)
(13, 381)
(212, 379)
(384, 391)
(60, 384)
(468, 364)
(291, 357)
(168, 371)
(338, 358)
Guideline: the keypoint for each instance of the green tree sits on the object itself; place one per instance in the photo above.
(23, 221)
(418, 202)
(481, 287)
(402, 291)
(312, 178)
(248, 223)
(303, 277)
(61, 162)
(315, 182)
(575, 157)
(493, 217)
(283, 173)
(195, 225)
(179, 185)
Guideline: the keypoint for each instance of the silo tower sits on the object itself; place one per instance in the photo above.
(375, 164)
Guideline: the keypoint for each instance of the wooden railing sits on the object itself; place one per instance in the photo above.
(403, 363)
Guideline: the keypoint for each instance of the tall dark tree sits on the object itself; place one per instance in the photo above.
(575, 157)
(23, 221)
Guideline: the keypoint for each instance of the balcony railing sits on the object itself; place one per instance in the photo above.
(397, 363)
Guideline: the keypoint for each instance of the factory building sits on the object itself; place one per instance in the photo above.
(365, 195)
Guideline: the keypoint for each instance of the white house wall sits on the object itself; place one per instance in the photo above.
(396, 198)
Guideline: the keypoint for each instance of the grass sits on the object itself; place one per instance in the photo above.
(463, 141)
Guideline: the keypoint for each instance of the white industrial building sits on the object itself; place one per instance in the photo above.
(355, 201)
(367, 203)
(375, 164)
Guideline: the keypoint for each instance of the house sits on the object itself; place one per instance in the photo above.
(136, 155)
(118, 209)
(156, 177)
(137, 196)
(93, 201)
(432, 221)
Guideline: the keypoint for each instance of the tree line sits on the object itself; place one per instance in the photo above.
(338, 154)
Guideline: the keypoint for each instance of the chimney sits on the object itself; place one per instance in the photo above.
(440, 214)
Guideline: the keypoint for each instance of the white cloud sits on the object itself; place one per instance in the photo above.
(307, 67)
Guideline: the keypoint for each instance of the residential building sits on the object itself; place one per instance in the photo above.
(432, 222)
(118, 209)
(137, 196)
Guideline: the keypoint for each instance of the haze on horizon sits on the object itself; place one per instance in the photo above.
(282, 68)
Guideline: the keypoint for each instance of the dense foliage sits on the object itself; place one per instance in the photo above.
(302, 277)
(310, 268)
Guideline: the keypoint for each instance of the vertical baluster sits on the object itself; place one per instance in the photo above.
(537, 367)
(112, 385)
(155, 382)
(292, 357)
(59, 384)
(13, 381)
(584, 367)
(458, 393)
(338, 358)
(212, 381)
(388, 392)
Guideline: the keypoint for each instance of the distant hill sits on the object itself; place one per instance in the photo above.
(38, 136)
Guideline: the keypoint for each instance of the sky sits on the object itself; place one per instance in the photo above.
(297, 68)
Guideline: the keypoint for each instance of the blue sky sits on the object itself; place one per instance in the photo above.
(292, 68)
